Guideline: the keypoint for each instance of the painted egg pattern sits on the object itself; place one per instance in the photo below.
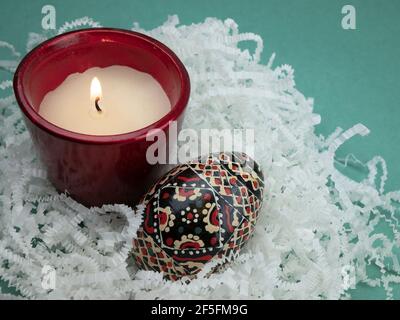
(198, 211)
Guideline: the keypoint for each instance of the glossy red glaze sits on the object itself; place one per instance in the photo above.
(97, 170)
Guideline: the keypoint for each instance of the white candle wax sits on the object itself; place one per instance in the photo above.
(129, 100)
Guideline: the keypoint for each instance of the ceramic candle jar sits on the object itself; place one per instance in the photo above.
(98, 169)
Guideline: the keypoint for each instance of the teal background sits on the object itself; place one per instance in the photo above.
(352, 74)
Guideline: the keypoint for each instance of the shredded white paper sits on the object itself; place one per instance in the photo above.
(315, 237)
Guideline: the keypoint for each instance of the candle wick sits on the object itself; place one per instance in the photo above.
(96, 103)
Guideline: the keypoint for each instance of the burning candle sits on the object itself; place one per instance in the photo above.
(92, 135)
(124, 100)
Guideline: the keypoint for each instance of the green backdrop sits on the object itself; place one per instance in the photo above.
(352, 74)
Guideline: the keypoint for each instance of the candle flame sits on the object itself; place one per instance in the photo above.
(95, 89)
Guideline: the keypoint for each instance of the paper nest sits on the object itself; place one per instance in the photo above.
(314, 238)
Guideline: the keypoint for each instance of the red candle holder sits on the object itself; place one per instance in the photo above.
(97, 170)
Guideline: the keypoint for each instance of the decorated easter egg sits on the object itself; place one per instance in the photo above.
(199, 211)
